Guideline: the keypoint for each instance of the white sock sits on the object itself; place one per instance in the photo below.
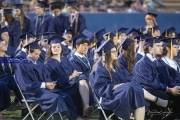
(162, 102)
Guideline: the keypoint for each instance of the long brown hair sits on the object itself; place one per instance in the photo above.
(21, 19)
(9, 18)
(129, 54)
(50, 54)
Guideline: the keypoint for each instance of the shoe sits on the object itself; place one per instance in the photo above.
(24, 112)
(87, 111)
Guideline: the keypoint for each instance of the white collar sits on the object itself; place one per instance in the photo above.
(150, 57)
(63, 43)
(34, 62)
(79, 55)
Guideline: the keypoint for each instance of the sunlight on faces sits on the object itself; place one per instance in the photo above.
(17, 12)
(3, 46)
(157, 33)
(82, 48)
(122, 37)
(149, 22)
(35, 54)
(158, 48)
(56, 12)
(56, 49)
(114, 54)
(175, 49)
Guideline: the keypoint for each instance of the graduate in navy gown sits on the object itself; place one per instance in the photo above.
(7, 81)
(43, 22)
(148, 76)
(34, 79)
(26, 38)
(25, 22)
(61, 23)
(13, 27)
(76, 20)
(61, 70)
(122, 98)
(5, 36)
(82, 64)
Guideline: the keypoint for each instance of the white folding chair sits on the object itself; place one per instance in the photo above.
(27, 102)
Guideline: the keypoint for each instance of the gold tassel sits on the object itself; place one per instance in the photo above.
(166, 35)
(108, 37)
(140, 30)
(117, 36)
(152, 32)
(171, 55)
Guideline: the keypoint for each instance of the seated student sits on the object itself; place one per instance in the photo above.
(34, 79)
(7, 81)
(26, 38)
(148, 76)
(61, 70)
(82, 64)
(5, 36)
(122, 98)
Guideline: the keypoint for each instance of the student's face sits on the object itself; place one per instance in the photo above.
(158, 48)
(82, 48)
(149, 22)
(157, 33)
(3, 46)
(35, 55)
(122, 37)
(5, 36)
(56, 12)
(114, 54)
(172, 35)
(17, 12)
(71, 10)
(175, 49)
(56, 49)
(115, 41)
(39, 10)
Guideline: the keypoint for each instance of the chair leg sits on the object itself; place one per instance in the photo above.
(60, 116)
(51, 116)
(30, 112)
(41, 116)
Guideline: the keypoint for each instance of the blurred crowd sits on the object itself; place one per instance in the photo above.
(110, 6)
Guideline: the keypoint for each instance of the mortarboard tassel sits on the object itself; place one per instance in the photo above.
(117, 36)
(152, 32)
(166, 34)
(26, 40)
(171, 55)
(108, 37)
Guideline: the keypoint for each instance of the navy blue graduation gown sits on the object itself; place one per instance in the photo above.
(30, 77)
(124, 99)
(10, 51)
(80, 23)
(44, 24)
(146, 74)
(82, 65)
(168, 73)
(61, 24)
(14, 30)
(90, 53)
(138, 57)
(28, 25)
(7, 82)
(20, 55)
(66, 50)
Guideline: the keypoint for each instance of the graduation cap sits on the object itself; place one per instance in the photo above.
(105, 46)
(122, 30)
(71, 2)
(42, 3)
(171, 30)
(7, 11)
(109, 36)
(126, 43)
(18, 6)
(26, 36)
(141, 29)
(46, 35)
(100, 33)
(134, 32)
(165, 33)
(151, 41)
(88, 34)
(55, 39)
(152, 14)
(4, 29)
(33, 45)
(57, 5)
(79, 38)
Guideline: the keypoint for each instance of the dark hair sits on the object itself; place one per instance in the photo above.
(9, 18)
(129, 54)
(165, 51)
(50, 54)
(146, 49)
(21, 19)
(82, 42)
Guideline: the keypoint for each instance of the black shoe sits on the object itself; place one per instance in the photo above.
(170, 104)
(24, 112)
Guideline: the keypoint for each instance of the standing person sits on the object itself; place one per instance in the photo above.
(25, 21)
(122, 98)
(34, 79)
(13, 27)
(43, 22)
(76, 19)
